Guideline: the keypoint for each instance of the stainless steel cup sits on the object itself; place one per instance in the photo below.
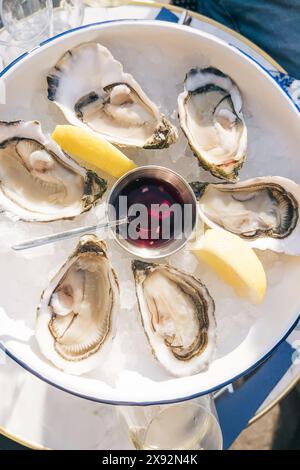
(187, 197)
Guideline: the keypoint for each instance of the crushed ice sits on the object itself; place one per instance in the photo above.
(25, 275)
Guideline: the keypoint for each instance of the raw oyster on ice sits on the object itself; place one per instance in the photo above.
(76, 318)
(210, 114)
(264, 211)
(39, 182)
(92, 90)
(177, 314)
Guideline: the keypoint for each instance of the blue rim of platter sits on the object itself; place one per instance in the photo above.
(156, 402)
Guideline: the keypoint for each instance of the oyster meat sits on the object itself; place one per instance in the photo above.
(92, 90)
(210, 114)
(39, 182)
(77, 314)
(177, 314)
(264, 211)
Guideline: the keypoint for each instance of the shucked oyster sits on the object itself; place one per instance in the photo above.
(92, 90)
(177, 314)
(263, 211)
(77, 314)
(211, 118)
(38, 182)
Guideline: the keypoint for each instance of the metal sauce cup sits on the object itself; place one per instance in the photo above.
(188, 202)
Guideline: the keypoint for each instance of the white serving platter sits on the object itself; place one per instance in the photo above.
(158, 54)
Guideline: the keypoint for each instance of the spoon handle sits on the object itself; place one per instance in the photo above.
(40, 241)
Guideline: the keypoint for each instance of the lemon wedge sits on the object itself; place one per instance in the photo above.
(234, 261)
(92, 148)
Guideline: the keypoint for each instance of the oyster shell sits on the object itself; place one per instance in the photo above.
(177, 314)
(77, 314)
(38, 182)
(264, 211)
(106, 99)
(211, 118)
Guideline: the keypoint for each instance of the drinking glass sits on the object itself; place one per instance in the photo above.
(190, 425)
(67, 14)
(27, 21)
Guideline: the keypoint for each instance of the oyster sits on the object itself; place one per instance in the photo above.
(38, 182)
(211, 118)
(92, 90)
(77, 314)
(177, 314)
(263, 211)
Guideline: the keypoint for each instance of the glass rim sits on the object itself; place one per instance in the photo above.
(207, 411)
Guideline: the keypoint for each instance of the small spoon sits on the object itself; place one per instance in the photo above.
(45, 240)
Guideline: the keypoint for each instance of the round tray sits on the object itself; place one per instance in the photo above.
(262, 328)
